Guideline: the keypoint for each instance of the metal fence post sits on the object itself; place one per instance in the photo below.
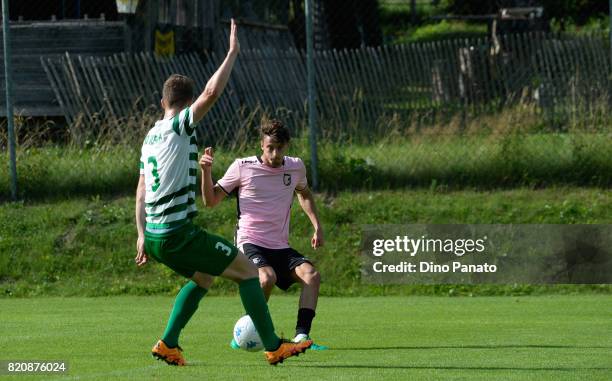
(312, 118)
(9, 97)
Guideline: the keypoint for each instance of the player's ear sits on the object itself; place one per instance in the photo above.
(163, 103)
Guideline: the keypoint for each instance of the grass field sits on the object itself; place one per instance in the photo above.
(483, 338)
(61, 248)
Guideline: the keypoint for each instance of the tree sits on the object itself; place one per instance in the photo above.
(352, 22)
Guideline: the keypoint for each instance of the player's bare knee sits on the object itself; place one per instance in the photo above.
(267, 281)
(311, 278)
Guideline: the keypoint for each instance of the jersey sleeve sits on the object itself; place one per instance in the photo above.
(302, 182)
(182, 123)
(231, 179)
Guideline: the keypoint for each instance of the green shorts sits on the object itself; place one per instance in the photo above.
(190, 249)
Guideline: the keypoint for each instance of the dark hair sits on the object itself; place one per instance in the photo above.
(178, 90)
(276, 130)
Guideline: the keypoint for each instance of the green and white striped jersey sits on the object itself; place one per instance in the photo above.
(169, 163)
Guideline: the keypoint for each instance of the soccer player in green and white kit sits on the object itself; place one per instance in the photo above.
(264, 186)
(165, 205)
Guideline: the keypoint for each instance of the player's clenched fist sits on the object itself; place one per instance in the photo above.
(207, 158)
(317, 239)
(141, 257)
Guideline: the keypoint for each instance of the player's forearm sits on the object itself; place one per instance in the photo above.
(208, 192)
(308, 205)
(217, 83)
(314, 218)
(140, 210)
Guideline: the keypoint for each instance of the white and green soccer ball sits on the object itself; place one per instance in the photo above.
(246, 335)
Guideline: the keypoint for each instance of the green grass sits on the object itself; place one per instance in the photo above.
(390, 338)
(399, 26)
(405, 32)
(452, 160)
(445, 30)
(484, 162)
(86, 246)
(63, 172)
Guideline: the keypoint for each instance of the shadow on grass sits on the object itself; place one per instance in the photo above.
(407, 367)
(472, 347)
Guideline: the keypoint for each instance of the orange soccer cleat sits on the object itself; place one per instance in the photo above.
(286, 350)
(172, 356)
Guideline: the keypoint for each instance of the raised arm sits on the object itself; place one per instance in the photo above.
(216, 84)
(211, 194)
(307, 202)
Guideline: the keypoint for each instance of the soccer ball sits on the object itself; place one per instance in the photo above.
(246, 335)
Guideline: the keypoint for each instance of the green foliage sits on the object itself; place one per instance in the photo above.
(399, 25)
(594, 25)
(342, 170)
(444, 30)
(87, 246)
(435, 31)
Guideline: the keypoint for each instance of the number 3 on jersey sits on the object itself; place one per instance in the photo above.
(224, 248)
(152, 160)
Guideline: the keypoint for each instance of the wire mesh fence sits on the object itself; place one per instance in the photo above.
(510, 109)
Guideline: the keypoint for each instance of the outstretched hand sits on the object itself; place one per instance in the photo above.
(234, 46)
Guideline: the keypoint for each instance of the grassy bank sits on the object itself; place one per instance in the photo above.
(452, 161)
(86, 246)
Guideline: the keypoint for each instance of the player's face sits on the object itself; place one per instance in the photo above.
(273, 151)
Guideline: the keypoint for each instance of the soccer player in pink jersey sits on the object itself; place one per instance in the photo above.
(264, 186)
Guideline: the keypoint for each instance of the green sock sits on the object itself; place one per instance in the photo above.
(185, 305)
(256, 307)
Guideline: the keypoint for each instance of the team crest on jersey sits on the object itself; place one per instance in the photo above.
(287, 179)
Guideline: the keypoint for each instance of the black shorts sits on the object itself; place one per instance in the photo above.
(282, 261)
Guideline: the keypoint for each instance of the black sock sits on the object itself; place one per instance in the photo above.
(304, 321)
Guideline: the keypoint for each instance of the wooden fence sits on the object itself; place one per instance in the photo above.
(33, 95)
(554, 72)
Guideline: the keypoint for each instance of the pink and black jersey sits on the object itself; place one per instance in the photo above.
(265, 195)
